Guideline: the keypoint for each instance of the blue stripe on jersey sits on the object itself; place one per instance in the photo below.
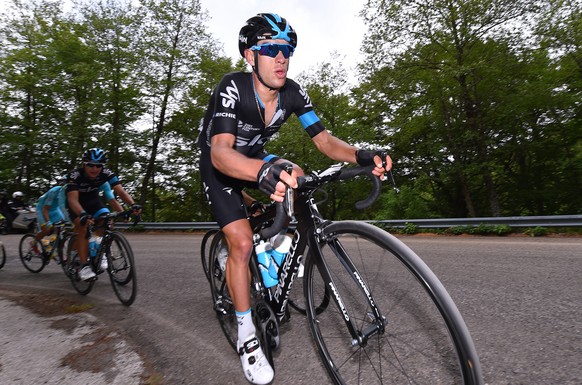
(308, 118)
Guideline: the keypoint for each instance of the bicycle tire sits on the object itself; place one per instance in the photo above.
(32, 261)
(205, 251)
(424, 340)
(121, 267)
(221, 300)
(73, 267)
(2, 255)
(61, 252)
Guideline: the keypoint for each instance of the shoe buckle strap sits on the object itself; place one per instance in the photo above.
(249, 346)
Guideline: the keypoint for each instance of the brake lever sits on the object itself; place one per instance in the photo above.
(289, 200)
(387, 173)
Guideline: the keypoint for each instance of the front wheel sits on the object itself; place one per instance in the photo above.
(31, 253)
(405, 328)
(121, 267)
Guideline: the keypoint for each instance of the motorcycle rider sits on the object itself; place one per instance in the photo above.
(17, 202)
(12, 208)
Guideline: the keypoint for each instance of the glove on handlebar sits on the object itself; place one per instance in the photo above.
(366, 157)
(269, 175)
(84, 218)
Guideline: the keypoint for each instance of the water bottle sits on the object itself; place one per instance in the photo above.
(281, 245)
(264, 258)
(47, 246)
(50, 243)
(94, 243)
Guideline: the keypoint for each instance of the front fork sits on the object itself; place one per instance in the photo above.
(376, 322)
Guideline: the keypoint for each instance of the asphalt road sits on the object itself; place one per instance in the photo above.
(520, 298)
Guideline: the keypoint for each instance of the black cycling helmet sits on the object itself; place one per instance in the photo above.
(265, 26)
(95, 155)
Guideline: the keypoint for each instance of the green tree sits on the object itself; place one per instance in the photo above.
(446, 67)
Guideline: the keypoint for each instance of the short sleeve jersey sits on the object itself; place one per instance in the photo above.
(78, 181)
(236, 109)
(54, 198)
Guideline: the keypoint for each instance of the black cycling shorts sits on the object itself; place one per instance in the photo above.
(91, 203)
(224, 194)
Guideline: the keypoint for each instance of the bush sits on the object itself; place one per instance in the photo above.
(536, 231)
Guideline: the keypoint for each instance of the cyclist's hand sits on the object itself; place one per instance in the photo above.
(48, 225)
(136, 209)
(380, 159)
(272, 179)
(85, 218)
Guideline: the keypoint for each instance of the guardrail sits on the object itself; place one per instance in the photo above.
(525, 221)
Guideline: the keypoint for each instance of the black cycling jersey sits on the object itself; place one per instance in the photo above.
(235, 108)
(89, 189)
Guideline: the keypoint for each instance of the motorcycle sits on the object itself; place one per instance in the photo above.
(25, 220)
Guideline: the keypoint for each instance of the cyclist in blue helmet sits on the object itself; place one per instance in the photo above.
(84, 203)
(51, 207)
(245, 110)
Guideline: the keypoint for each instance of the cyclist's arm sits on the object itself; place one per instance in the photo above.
(339, 150)
(115, 205)
(45, 213)
(73, 201)
(124, 195)
(334, 148)
(232, 163)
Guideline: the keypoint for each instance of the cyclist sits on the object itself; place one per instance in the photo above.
(51, 208)
(84, 203)
(245, 110)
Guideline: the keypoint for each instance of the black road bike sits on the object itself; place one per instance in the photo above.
(120, 260)
(377, 313)
(35, 255)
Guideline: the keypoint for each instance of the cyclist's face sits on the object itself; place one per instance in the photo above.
(92, 169)
(272, 70)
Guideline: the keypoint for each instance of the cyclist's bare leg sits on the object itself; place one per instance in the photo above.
(82, 243)
(239, 238)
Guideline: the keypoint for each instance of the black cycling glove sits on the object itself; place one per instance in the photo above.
(366, 157)
(268, 176)
(83, 218)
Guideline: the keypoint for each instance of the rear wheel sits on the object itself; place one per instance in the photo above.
(74, 266)
(2, 255)
(406, 328)
(31, 253)
(205, 250)
(121, 267)
(223, 305)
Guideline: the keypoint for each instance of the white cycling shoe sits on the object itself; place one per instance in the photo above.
(86, 273)
(255, 365)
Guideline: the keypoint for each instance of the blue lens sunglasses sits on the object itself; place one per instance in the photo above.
(272, 49)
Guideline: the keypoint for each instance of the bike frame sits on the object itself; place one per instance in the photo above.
(309, 232)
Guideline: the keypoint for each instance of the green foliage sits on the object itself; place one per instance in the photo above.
(536, 231)
(477, 122)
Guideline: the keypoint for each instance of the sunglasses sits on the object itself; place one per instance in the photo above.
(272, 49)
(91, 165)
